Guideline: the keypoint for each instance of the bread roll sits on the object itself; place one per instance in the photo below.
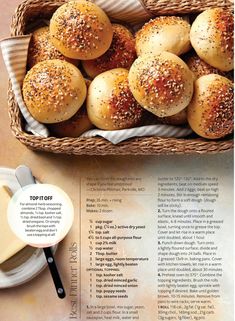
(166, 33)
(162, 84)
(110, 103)
(81, 30)
(53, 91)
(74, 126)
(41, 48)
(121, 53)
(179, 119)
(212, 38)
(210, 113)
(201, 68)
(175, 120)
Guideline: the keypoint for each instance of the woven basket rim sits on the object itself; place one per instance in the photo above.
(98, 145)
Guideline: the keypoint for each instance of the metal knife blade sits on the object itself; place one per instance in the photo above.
(25, 177)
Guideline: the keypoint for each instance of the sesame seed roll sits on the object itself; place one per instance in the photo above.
(41, 48)
(166, 33)
(74, 126)
(176, 120)
(53, 91)
(110, 103)
(201, 68)
(121, 53)
(210, 113)
(162, 84)
(81, 30)
(212, 38)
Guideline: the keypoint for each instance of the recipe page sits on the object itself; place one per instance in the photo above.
(155, 244)
(152, 239)
(116, 160)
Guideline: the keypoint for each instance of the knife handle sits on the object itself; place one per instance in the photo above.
(24, 175)
(54, 272)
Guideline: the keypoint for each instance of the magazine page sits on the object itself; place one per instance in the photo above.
(98, 222)
(151, 239)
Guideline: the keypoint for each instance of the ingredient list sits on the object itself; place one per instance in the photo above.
(151, 251)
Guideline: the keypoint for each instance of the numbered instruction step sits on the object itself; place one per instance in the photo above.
(151, 246)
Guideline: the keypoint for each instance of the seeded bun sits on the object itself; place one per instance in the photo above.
(176, 120)
(41, 48)
(212, 38)
(53, 91)
(81, 30)
(110, 103)
(162, 84)
(121, 53)
(210, 113)
(166, 33)
(74, 126)
(201, 68)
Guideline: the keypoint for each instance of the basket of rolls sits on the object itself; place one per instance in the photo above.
(141, 77)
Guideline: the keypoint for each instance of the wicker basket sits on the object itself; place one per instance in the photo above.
(35, 9)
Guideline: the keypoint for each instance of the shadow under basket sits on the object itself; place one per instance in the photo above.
(32, 10)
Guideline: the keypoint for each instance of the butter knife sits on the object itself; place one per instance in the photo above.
(25, 177)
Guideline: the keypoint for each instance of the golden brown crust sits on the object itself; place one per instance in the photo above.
(81, 30)
(121, 53)
(176, 120)
(110, 103)
(156, 24)
(224, 26)
(162, 84)
(210, 113)
(41, 48)
(125, 112)
(201, 68)
(219, 118)
(74, 126)
(162, 79)
(212, 38)
(165, 33)
(53, 91)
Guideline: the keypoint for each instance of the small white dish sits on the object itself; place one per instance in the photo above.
(27, 263)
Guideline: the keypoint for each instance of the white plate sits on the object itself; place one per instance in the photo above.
(27, 263)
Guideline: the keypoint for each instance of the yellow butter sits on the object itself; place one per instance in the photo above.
(9, 243)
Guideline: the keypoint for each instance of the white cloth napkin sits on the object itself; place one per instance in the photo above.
(117, 136)
(130, 11)
(15, 51)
